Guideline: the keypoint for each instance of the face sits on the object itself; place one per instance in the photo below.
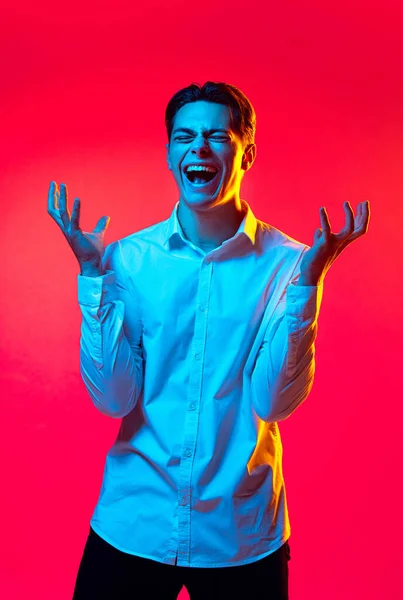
(208, 139)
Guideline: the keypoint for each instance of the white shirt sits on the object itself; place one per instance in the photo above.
(200, 355)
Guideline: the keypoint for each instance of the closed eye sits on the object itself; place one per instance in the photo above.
(215, 139)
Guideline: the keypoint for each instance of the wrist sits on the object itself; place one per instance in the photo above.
(309, 280)
(91, 270)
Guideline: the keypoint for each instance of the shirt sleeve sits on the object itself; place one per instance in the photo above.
(285, 366)
(111, 366)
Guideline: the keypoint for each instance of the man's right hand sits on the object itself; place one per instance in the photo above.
(88, 247)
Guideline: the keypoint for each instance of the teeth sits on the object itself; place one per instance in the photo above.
(201, 168)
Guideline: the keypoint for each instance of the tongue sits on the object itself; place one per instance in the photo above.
(199, 180)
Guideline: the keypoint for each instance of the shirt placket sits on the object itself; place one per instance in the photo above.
(196, 361)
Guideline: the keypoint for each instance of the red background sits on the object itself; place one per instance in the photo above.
(83, 92)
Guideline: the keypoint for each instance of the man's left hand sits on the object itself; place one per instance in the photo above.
(328, 246)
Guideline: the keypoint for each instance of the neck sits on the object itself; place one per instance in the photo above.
(209, 228)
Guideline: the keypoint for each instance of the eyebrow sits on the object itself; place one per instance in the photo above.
(187, 130)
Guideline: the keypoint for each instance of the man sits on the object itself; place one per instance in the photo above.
(199, 333)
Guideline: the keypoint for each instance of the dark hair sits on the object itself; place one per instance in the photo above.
(243, 116)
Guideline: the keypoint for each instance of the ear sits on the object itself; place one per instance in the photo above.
(168, 159)
(249, 157)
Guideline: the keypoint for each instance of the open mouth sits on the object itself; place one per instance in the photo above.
(201, 178)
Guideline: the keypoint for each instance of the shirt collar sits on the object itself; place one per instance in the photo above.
(247, 227)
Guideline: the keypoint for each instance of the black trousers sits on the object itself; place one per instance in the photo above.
(106, 573)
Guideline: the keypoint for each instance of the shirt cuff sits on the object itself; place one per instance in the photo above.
(94, 291)
(304, 300)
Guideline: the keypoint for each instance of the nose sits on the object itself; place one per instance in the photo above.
(200, 146)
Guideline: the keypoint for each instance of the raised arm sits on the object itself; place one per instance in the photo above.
(111, 356)
(284, 370)
(111, 366)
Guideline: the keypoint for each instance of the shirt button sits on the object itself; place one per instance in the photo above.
(197, 356)
(184, 501)
(96, 293)
(192, 406)
(203, 307)
(188, 452)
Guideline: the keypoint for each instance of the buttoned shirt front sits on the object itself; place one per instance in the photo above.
(201, 355)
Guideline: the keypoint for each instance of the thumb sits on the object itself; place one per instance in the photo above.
(317, 235)
(102, 224)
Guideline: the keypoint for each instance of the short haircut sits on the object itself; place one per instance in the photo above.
(243, 116)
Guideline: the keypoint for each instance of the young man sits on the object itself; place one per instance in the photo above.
(199, 333)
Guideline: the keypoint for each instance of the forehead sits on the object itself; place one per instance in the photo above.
(202, 114)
